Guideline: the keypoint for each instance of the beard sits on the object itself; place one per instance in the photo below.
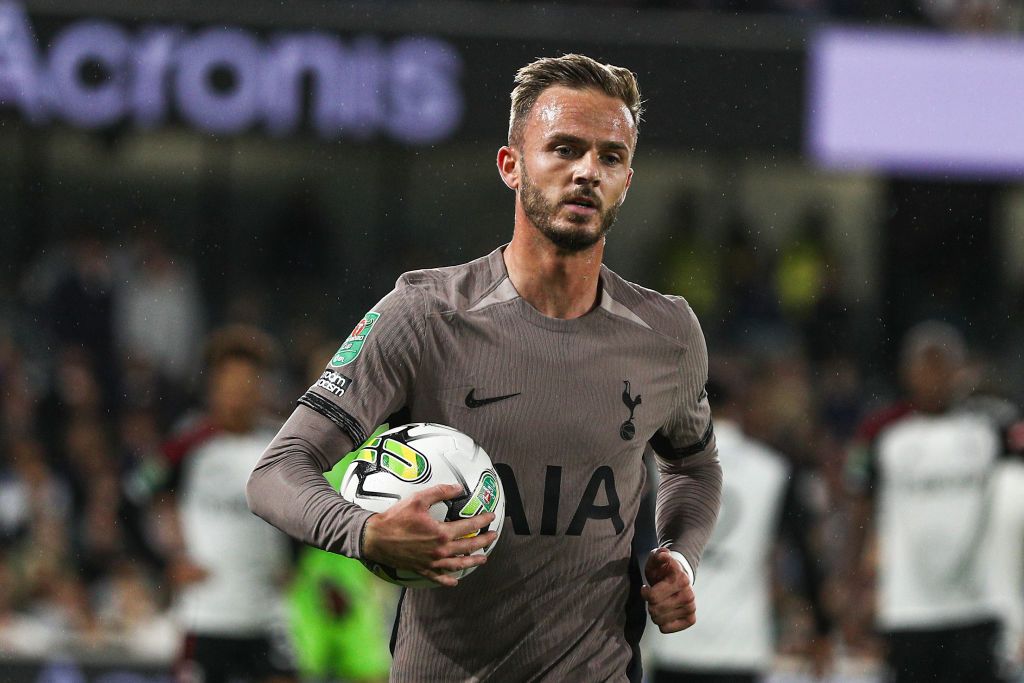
(576, 236)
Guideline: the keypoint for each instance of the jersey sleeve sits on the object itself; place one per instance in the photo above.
(688, 432)
(690, 486)
(368, 379)
(370, 376)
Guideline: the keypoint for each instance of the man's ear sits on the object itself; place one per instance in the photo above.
(508, 166)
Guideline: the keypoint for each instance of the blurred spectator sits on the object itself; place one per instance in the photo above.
(40, 610)
(841, 398)
(754, 315)
(130, 615)
(17, 400)
(75, 391)
(80, 309)
(29, 493)
(61, 606)
(159, 312)
(692, 265)
(807, 277)
(801, 269)
(74, 394)
(783, 407)
(920, 470)
(229, 566)
(20, 634)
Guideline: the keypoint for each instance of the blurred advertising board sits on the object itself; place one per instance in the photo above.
(70, 671)
(711, 82)
(917, 103)
(95, 73)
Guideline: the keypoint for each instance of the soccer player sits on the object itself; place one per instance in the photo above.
(1006, 561)
(921, 469)
(230, 568)
(733, 643)
(564, 372)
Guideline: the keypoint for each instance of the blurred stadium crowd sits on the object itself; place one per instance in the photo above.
(101, 363)
(102, 369)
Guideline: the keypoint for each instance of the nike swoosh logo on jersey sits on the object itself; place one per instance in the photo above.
(473, 402)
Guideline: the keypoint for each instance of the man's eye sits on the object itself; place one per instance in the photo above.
(612, 159)
(563, 151)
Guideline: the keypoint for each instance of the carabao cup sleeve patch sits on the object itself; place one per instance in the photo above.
(353, 345)
(372, 373)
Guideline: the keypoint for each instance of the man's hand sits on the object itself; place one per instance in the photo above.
(407, 537)
(669, 596)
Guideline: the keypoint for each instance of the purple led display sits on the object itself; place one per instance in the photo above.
(916, 103)
(408, 89)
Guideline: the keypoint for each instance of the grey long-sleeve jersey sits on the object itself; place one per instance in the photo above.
(566, 409)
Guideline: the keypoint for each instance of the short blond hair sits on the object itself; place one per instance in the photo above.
(573, 71)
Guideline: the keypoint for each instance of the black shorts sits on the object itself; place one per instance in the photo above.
(963, 653)
(218, 659)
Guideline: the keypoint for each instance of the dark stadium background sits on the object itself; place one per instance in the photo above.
(811, 275)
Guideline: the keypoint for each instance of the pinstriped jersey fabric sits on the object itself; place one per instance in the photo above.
(578, 401)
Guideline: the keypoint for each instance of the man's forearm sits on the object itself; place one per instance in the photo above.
(287, 487)
(689, 496)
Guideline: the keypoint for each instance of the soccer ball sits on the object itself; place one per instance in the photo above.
(401, 461)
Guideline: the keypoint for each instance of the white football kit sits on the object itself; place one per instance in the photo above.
(1006, 558)
(734, 624)
(245, 557)
(932, 505)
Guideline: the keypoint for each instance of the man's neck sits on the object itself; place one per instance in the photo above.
(559, 284)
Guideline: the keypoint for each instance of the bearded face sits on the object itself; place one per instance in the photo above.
(569, 229)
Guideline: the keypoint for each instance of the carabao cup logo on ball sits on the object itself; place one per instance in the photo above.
(484, 498)
(351, 347)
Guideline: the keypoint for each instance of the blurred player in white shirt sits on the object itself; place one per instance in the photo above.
(1006, 562)
(921, 470)
(733, 641)
(230, 567)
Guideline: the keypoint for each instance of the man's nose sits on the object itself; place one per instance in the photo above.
(588, 170)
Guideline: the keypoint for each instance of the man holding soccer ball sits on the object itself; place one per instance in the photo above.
(566, 374)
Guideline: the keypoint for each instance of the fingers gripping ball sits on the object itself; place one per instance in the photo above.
(405, 460)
